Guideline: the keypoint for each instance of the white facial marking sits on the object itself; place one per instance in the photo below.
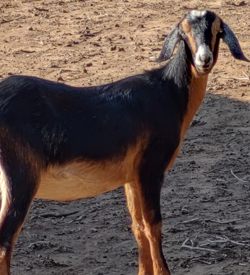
(197, 13)
(204, 56)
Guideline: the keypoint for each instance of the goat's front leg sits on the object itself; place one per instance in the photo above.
(150, 205)
(134, 206)
(151, 174)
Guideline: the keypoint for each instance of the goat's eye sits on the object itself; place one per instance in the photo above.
(220, 33)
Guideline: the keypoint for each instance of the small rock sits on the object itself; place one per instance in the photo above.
(89, 64)
(60, 78)
(113, 48)
(184, 211)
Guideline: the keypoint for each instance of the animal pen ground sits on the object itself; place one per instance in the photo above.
(206, 196)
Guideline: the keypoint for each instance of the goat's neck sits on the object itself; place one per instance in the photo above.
(196, 93)
(193, 86)
(178, 69)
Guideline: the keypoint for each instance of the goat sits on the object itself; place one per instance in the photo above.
(65, 143)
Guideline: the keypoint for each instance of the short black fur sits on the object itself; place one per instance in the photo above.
(63, 123)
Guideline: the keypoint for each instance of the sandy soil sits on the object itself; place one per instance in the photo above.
(206, 197)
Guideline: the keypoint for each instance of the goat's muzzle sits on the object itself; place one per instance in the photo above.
(203, 59)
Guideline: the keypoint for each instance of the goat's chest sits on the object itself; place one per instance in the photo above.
(197, 91)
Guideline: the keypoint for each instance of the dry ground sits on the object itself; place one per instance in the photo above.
(206, 197)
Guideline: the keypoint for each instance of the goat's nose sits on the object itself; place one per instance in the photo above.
(205, 58)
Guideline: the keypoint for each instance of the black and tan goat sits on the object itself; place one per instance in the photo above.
(65, 143)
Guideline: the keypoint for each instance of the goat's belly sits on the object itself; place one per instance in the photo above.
(80, 180)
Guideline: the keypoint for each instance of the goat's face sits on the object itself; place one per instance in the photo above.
(201, 31)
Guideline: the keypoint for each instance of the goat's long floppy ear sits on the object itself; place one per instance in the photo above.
(169, 45)
(234, 46)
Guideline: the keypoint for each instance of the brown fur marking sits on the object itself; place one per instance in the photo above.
(215, 29)
(4, 262)
(197, 92)
(82, 179)
(188, 32)
(153, 233)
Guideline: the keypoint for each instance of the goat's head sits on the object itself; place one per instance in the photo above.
(201, 31)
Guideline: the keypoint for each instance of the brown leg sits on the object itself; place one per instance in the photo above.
(4, 262)
(5, 254)
(152, 230)
(151, 174)
(9, 231)
(18, 182)
(153, 233)
(133, 202)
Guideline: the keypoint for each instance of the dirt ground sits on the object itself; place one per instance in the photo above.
(206, 197)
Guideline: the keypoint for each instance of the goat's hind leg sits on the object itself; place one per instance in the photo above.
(18, 185)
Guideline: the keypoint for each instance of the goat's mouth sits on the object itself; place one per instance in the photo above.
(204, 69)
